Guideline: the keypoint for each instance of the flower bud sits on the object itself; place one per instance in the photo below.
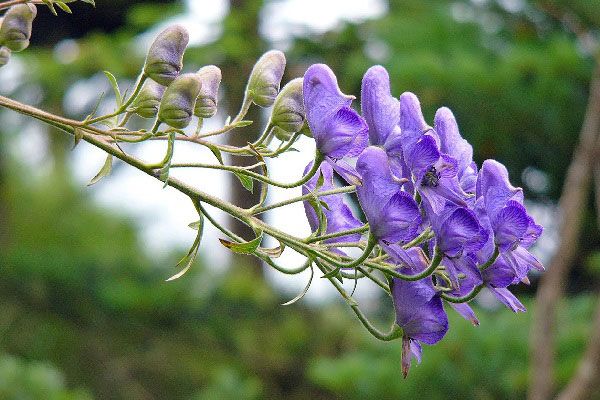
(15, 30)
(177, 105)
(206, 105)
(4, 55)
(288, 109)
(147, 102)
(265, 78)
(165, 57)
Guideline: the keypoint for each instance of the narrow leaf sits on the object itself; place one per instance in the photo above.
(104, 171)
(50, 6)
(301, 295)
(115, 85)
(190, 257)
(64, 7)
(216, 152)
(92, 2)
(246, 181)
(243, 248)
(243, 123)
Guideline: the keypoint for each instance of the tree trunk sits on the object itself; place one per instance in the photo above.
(552, 283)
(242, 26)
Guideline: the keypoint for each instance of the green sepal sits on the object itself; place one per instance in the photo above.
(104, 171)
(245, 247)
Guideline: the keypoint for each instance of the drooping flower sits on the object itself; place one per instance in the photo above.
(165, 57)
(265, 78)
(177, 104)
(206, 104)
(434, 173)
(452, 143)
(500, 206)
(338, 130)
(393, 214)
(15, 27)
(339, 216)
(419, 312)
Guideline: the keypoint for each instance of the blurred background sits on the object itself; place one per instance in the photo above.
(84, 309)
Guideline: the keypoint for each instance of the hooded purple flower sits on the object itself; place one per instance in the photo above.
(393, 214)
(338, 214)
(379, 108)
(452, 143)
(419, 312)
(434, 173)
(338, 130)
(500, 206)
(458, 236)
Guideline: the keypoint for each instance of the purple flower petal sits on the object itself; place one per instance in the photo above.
(508, 299)
(510, 225)
(345, 133)
(379, 108)
(466, 312)
(460, 232)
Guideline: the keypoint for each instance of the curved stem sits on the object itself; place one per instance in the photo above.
(433, 265)
(371, 242)
(492, 259)
(463, 299)
(395, 331)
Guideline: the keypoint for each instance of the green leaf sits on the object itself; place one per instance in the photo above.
(332, 274)
(320, 181)
(50, 5)
(243, 123)
(64, 7)
(245, 247)
(78, 135)
(104, 171)
(92, 2)
(189, 259)
(196, 225)
(228, 120)
(115, 85)
(301, 295)
(247, 182)
(216, 152)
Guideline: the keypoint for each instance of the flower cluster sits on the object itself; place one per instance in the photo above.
(447, 227)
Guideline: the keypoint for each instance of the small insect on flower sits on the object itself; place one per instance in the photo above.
(431, 177)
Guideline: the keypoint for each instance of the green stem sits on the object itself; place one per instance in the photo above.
(371, 242)
(492, 259)
(433, 265)
(360, 229)
(463, 299)
(138, 87)
(344, 189)
(395, 331)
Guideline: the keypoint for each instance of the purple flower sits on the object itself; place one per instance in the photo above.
(339, 215)
(393, 214)
(338, 130)
(434, 173)
(500, 206)
(379, 108)
(452, 143)
(419, 312)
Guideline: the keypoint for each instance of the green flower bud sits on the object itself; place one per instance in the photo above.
(288, 109)
(206, 105)
(177, 104)
(147, 102)
(4, 55)
(15, 30)
(265, 78)
(165, 57)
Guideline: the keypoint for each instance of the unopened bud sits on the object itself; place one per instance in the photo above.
(288, 109)
(265, 78)
(177, 105)
(147, 102)
(15, 30)
(4, 55)
(165, 57)
(206, 105)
